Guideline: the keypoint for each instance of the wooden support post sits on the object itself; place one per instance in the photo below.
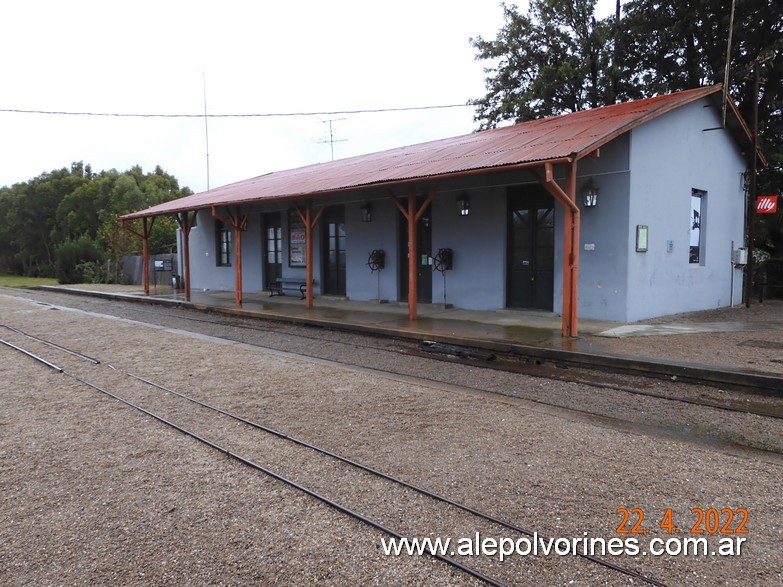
(238, 221)
(413, 277)
(309, 255)
(145, 253)
(146, 228)
(574, 216)
(238, 264)
(413, 215)
(310, 223)
(186, 223)
(571, 223)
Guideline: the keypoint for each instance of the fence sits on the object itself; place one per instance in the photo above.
(162, 269)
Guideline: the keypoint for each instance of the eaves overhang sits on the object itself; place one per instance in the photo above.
(554, 140)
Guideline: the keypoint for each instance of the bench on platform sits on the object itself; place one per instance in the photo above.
(283, 284)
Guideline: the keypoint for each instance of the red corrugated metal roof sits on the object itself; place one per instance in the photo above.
(549, 139)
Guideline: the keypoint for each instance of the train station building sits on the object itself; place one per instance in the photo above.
(619, 213)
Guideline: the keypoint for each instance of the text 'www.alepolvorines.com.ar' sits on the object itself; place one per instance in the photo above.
(536, 545)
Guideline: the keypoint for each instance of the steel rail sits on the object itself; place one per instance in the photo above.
(245, 461)
(398, 481)
(366, 468)
(749, 382)
(53, 345)
(501, 364)
(32, 356)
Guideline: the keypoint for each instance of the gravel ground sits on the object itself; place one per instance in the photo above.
(94, 493)
(757, 344)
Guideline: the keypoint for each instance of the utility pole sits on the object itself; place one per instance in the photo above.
(754, 156)
(331, 139)
(728, 63)
(206, 121)
(751, 209)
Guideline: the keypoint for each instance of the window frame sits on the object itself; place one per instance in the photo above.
(223, 244)
(696, 221)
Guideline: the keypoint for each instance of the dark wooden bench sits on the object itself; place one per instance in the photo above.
(283, 284)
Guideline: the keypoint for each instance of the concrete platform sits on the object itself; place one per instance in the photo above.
(534, 334)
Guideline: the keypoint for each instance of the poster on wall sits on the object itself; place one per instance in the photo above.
(297, 241)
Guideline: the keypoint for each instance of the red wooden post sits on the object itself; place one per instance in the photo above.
(145, 253)
(144, 235)
(570, 242)
(308, 220)
(574, 218)
(238, 222)
(413, 290)
(238, 262)
(185, 224)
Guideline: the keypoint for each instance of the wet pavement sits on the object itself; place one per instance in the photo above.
(529, 333)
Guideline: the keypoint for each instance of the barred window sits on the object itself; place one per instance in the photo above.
(222, 244)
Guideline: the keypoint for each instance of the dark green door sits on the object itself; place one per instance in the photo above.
(423, 256)
(273, 248)
(334, 251)
(531, 248)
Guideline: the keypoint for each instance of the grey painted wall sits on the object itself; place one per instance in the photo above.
(363, 237)
(478, 240)
(204, 272)
(603, 284)
(644, 177)
(665, 282)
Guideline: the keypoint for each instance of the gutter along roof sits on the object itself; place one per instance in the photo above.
(550, 140)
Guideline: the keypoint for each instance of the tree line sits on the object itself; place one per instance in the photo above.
(64, 223)
(558, 57)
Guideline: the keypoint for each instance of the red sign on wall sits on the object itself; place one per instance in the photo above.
(766, 204)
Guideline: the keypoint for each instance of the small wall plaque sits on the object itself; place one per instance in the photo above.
(641, 238)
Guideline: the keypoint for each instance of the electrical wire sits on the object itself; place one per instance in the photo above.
(250, 115)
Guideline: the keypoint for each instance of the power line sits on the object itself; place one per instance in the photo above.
(255, 115)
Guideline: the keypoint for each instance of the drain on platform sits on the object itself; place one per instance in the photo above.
(456, 351)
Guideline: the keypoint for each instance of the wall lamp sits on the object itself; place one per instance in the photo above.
(463, 205)
(366, 211)
(590, 194)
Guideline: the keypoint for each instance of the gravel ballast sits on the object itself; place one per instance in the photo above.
(95, 493)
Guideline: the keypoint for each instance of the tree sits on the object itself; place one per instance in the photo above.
(64, 209)
(673, 45)
(30, 217)
(557, 58)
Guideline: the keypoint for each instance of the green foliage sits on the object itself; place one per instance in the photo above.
(75, 257)
(555, 59)
(62, 206)
(558, 58)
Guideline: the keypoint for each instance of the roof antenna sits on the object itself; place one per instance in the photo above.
(206, 124)
(331, 140)
(728, 61)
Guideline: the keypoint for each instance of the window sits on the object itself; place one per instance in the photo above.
(222, 244)
(696, 227)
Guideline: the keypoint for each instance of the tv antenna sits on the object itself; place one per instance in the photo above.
(206, 121)
(331, 140)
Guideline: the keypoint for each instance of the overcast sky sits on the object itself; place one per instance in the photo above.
(154, 57)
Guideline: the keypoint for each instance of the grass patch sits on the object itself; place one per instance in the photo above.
(22, 281)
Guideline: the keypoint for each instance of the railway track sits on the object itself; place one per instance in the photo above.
(603, 373)
(532, 359)
(288, 459)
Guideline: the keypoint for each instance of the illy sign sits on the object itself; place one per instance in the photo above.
(766, 204)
